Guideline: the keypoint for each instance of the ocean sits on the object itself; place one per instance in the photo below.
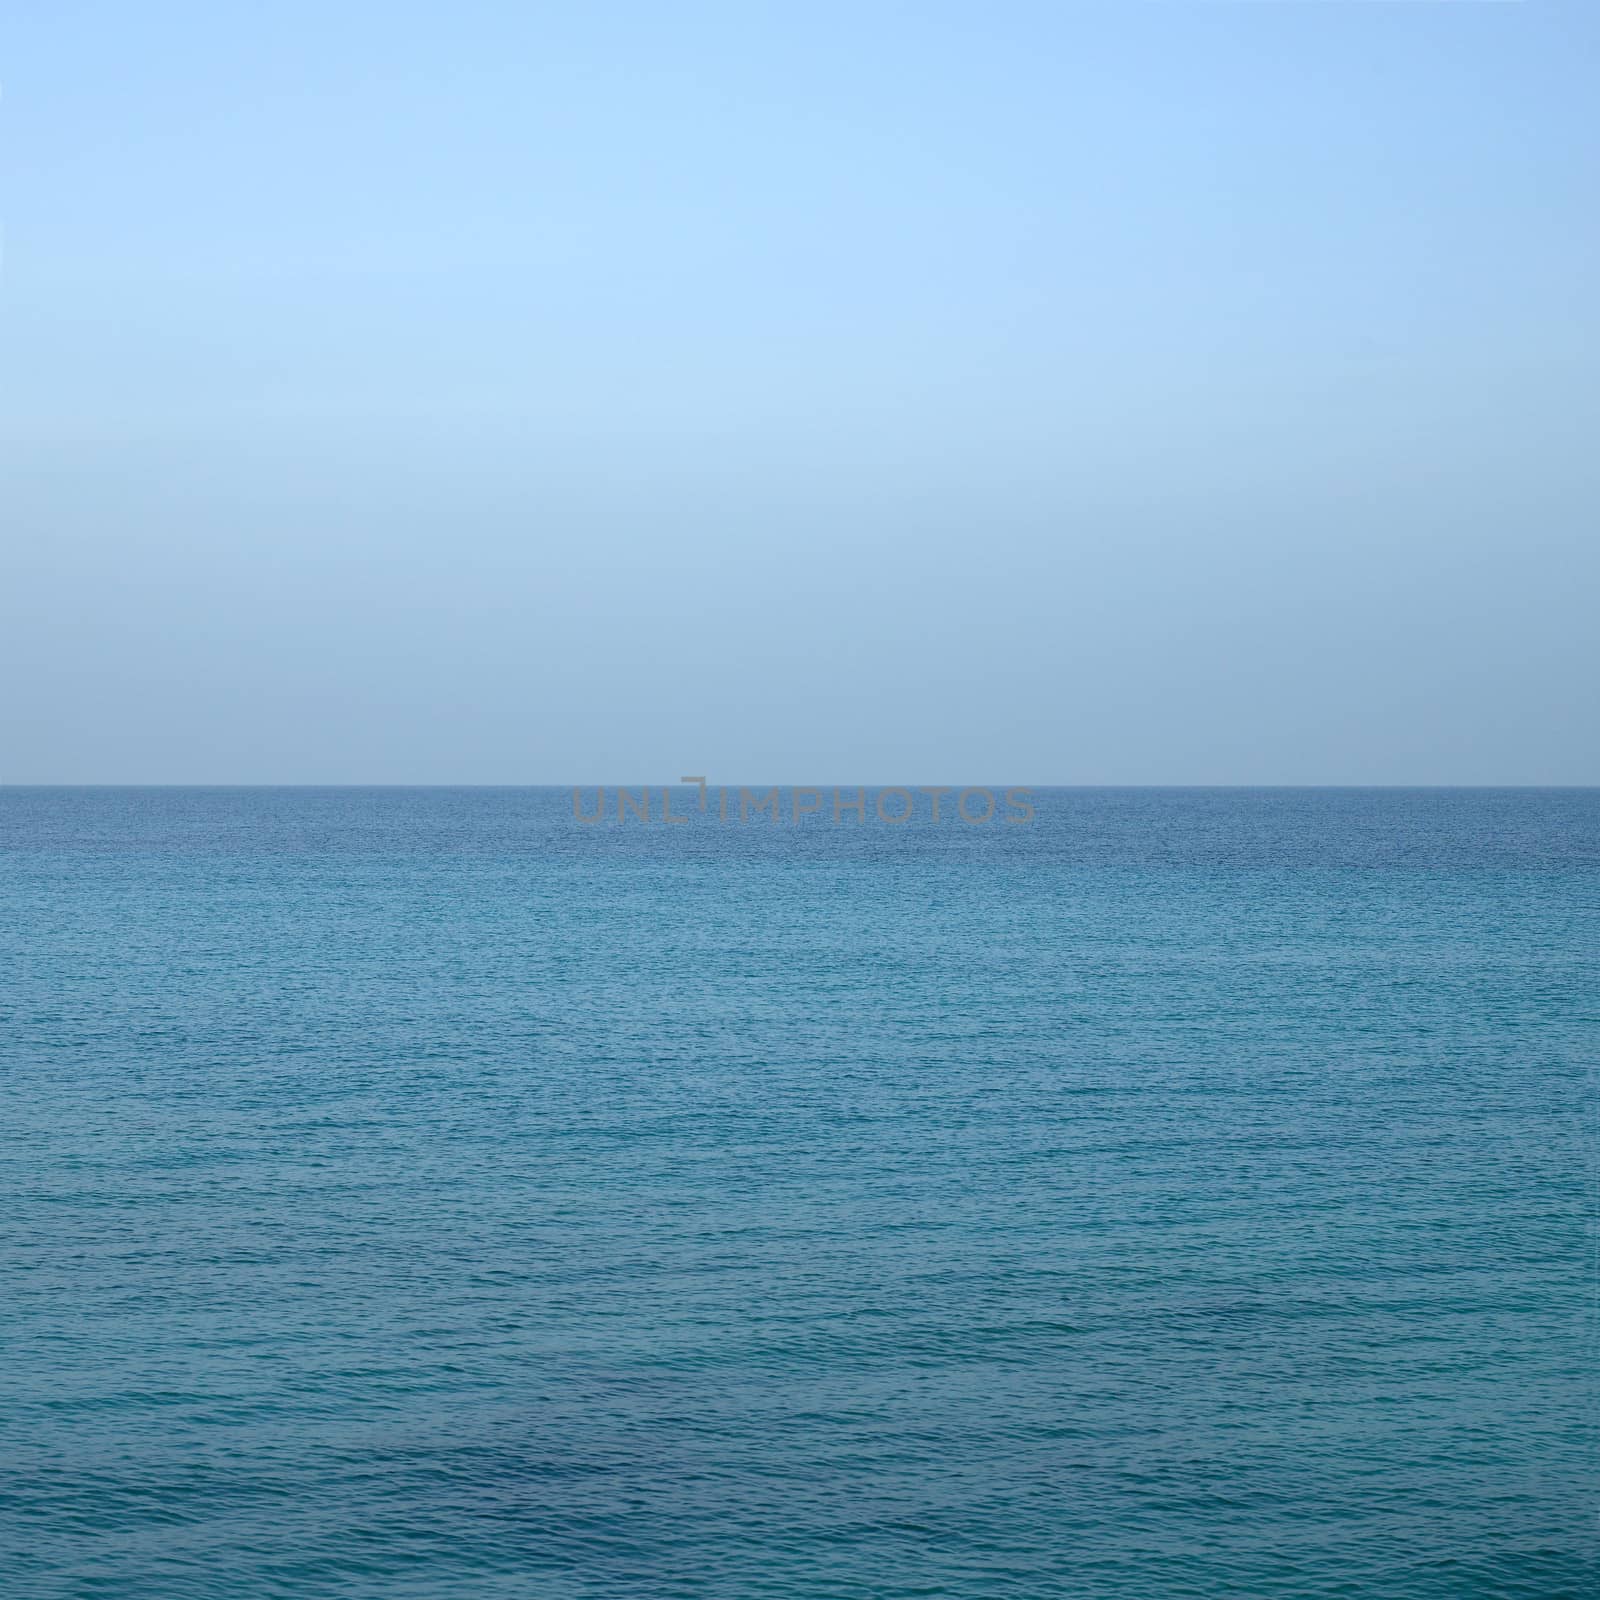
(423, 1194)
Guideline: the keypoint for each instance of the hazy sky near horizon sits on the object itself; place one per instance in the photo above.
(498, 393)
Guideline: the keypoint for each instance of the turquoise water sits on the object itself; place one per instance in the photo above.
(418, 1194)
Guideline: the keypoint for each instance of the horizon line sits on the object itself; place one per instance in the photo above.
(764, 785)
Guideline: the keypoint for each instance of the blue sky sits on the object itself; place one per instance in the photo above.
(1146, 393)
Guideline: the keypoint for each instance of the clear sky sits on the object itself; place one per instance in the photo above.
(502, 392)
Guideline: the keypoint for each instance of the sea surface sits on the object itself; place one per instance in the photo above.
(423, 1194)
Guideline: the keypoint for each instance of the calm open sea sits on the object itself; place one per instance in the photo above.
(416, 1193)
